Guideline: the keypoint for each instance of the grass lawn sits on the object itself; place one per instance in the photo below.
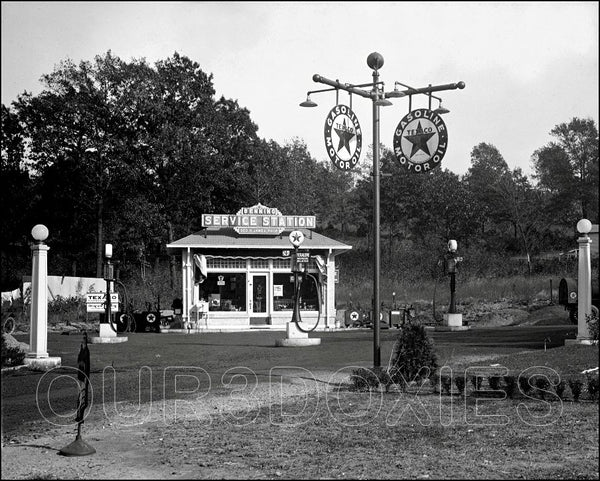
(329, 432)
(390, 436)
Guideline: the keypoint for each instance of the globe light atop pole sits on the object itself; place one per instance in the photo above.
(39, 233)
(379, 98)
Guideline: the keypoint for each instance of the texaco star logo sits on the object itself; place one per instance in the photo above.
(296, 238)
(343, 137)
(420, 140)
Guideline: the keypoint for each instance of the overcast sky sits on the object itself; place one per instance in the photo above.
(528, 66)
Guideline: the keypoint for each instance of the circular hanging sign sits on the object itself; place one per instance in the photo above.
(343, 137)
(420, 140)
(296, 238)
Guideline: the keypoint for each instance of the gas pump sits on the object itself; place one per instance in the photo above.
(451, 259)
(299, 269)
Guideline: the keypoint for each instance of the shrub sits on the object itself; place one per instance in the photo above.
(510, 386)
(542, 384)
(446, 384)
(459, 382)
(494, 382)
(11, 355)
(592, 386)
(66, 309)
(434, 380)
(524, 385)
(576, 385)
(384, 376)
(560, 388)
(364, 379)
(476, 381)
(592, 324)
(413, 356)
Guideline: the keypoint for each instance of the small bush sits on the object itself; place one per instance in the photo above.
(364, 379)
(524, 385)
(576, 386)
(559, 388)
(414, 355)
(384, 376)
(11, 356)
(494, 382)
(592, 386)
(592, 325)
(446, 384)
(542, 384)
(510, 384)
(459, 382)
(476, 381)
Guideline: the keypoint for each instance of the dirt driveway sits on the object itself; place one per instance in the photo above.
(131, 448)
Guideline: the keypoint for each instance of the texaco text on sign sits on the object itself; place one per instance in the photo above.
(343, 137)
(420, 140)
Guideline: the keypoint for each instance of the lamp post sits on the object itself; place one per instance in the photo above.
(38, 336)
(37, 357)
(106, 329)
(584, 280)
(451, 268)
(379, 98)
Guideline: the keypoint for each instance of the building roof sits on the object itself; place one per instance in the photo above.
(227, 238)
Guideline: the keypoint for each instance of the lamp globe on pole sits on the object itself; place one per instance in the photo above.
(584, 226)
(39, 233)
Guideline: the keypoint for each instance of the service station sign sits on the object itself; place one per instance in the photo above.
(420, 140)
(343, 137)
(259, 219)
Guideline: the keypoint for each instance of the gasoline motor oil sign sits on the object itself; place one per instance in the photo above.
(420, 140)
(343, 137)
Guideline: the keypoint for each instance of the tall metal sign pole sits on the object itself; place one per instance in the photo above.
(345, 157)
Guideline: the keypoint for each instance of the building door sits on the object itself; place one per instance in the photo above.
(259, 300)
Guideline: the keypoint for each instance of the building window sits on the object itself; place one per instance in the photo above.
(224, 291)
(283, 293)
(282, 264)
(220, 263)
(259, 263)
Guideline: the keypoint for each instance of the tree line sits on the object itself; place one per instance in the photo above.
(133, 154)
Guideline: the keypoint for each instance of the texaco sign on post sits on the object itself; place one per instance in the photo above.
(420, 140)
(343, 137)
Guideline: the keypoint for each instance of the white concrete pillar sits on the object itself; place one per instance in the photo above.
(330, 310)
(584, 280)
(187, 273)
(37, 358)
(38, 334)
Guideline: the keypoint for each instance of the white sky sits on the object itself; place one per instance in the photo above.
(528, 66)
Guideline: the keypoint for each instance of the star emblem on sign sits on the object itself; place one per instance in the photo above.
(345, 134)
(419, 140)
(296, 238)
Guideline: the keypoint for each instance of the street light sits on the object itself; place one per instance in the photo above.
(379, 98)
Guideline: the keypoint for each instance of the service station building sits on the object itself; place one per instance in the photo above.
(237, 271)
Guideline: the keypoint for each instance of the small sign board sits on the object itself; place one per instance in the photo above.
(303, 256)
(96, 301)
(278, 290)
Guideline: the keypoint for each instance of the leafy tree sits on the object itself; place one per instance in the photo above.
(488, 167)
(568, 168)
(523, 210)
(15, 198)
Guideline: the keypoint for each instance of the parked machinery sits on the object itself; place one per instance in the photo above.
(567, 296)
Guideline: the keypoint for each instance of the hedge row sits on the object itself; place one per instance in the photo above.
(509, 386)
